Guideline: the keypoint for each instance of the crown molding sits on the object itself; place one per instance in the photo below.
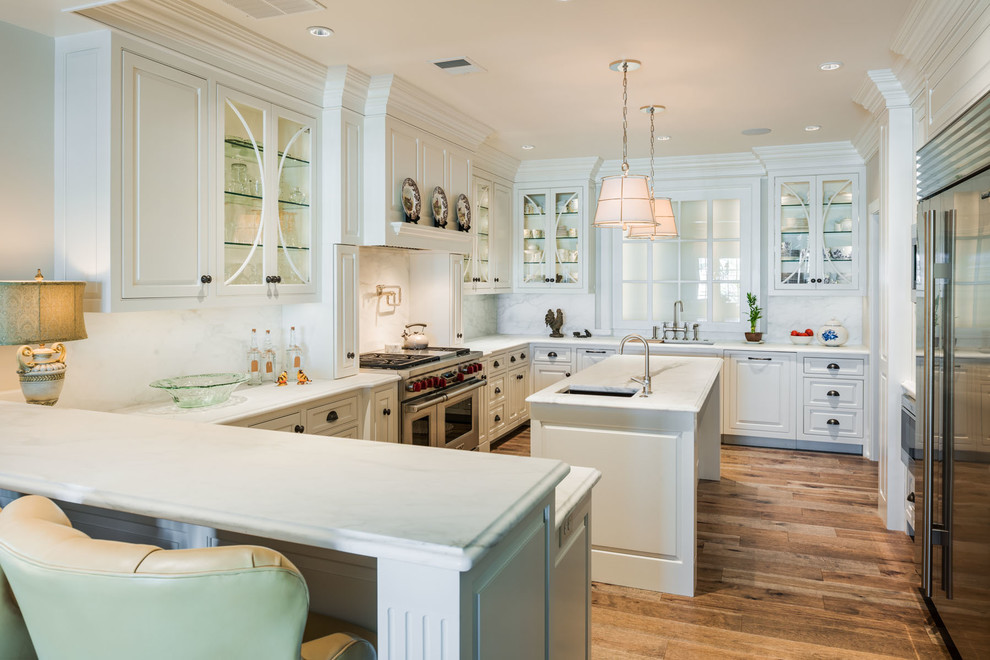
(393, 96)
(496, 162)
(346, 87)
(933, 29)
(558, 169)
(672, 168)
(183, 26)
(867, 141)
(894, 94)
(822, 154)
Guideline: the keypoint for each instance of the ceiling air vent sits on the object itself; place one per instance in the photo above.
(457, 65)
(271, 8)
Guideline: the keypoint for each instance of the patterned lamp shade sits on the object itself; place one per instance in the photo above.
(41, 312)
(625, 200)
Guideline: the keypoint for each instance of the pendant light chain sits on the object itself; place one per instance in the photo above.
(652, 143)
(625, 116)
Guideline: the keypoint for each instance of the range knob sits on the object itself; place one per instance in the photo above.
(417, 386)
(460, 377)
(442, 383)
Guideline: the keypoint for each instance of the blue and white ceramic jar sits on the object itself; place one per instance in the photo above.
(832, 333)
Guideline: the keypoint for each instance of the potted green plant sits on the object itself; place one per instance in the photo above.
(755, 314)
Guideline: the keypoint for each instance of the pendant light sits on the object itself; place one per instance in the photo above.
(625, 199)
(665, 225)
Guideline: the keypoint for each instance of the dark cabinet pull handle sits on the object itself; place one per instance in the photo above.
(206, 279)
(756, 358)
(496, 364)
(551, 354)
(298, 428)
(520, 376)
(567, 375)
(387, 411)
(332, 416)
(522, 356)
(831, 393)
(269, 279)
(910, 497)
(832, 422)
(498, 390)
(278, 279)
(832, 366)
(512, 359)
(350, 355)
(497, 419)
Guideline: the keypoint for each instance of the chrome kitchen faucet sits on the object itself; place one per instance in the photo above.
(645, 380)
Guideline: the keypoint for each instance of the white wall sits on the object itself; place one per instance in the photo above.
(27, 117)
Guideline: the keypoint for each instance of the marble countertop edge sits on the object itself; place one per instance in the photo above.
(572, 489)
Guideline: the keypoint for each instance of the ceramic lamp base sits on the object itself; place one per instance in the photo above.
(42, 373)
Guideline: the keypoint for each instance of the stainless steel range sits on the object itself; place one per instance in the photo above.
(439, 391)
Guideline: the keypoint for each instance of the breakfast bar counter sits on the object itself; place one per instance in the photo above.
(452, 534)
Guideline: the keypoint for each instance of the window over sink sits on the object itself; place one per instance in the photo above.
(709, 266)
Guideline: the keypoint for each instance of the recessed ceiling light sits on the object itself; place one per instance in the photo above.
(812, 127)
(663, 138)
(829, 66)
(319, 31)
(527, 147)
(756, 131)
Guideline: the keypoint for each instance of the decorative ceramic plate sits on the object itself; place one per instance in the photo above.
(411, 202)
(464, 212)
(440, 206)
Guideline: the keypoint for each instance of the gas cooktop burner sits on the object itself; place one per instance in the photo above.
(395, 360)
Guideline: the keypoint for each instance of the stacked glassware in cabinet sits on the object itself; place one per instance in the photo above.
(553, 239)
(817, 234)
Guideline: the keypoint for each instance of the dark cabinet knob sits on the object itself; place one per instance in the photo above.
(832, 422)
(832, 366)
(206, 279)
(269, 279)
(831, 393)
(496, 364)
(520, 376)
(278, 279)
(567, 375)
(350, 355)
(497, 419)
(298, 428)
(512, 359)
(387, 411)
(522, 356)
(332, 416)
(498, 390)
(551, 354)
(496, 279)
(910, 497)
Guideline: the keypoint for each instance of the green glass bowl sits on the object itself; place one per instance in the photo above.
(200, 390)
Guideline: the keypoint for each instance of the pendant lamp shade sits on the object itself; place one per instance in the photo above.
(665, 227)
(624, 200)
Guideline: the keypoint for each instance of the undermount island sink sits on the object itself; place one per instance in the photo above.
(678, 342)
(601, 390)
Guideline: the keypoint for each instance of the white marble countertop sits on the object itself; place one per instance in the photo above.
(495, 343)
(417, 504)
(247, 401)
(908, 387)
(679, 384)
(572, 489)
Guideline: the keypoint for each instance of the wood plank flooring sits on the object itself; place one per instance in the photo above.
(793, 562)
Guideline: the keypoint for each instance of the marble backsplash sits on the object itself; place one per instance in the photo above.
(382, 323)
(480, 315)
(126, 351)
(524, 313)
(786, 313)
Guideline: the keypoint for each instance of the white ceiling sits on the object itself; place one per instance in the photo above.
(720, 66)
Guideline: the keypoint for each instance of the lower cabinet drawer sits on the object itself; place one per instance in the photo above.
(496, 420)
(833, 393)
(286, 423)
(349, 432)
(496, 389)
(836, 367)
(555, 354)
(333, 415)
(835, 424)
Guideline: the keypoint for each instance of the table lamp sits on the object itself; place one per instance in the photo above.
(40, 311)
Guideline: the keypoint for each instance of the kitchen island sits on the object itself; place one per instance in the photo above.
(457, 544)
(651, 451)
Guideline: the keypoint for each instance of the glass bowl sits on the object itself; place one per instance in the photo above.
(201, 389)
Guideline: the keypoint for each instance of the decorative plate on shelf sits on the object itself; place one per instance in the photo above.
(464, 212)
(411, 202)
(440, 206)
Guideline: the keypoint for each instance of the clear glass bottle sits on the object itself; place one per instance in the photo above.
(254, 360)
(269, 360)
(293, 356)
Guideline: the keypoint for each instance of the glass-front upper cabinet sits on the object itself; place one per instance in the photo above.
(553, 239)
(268, 226)
(477, 266)
(816, 243)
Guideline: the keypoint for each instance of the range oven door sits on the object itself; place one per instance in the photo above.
(458, 418)
(419, 424)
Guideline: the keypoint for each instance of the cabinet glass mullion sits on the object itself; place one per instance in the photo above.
(294, 190)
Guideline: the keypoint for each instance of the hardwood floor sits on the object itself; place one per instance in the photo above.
(793, 563)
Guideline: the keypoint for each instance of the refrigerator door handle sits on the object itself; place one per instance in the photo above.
(928, 397)
(948, 377)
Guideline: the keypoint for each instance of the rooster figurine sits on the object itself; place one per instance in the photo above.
(555, 322)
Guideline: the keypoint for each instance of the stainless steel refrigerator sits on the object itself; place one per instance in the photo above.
(952, 467)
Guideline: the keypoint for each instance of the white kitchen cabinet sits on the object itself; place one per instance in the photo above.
(759, 393)
(551, 242)
(487, 267)
(437, 278)
(384, 414)
(346, 311)
(517, 381)
(268, 178)
(833, 396)
(165, 181)
(816, 243)
(338, 416)
(551, 363)
(143, 208)
(589, 356)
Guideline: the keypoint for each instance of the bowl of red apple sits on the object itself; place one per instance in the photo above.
(802, 336)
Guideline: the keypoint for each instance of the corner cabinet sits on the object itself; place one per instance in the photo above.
(551, 242)
(488, 265)
(266, 208)
(817, 241)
